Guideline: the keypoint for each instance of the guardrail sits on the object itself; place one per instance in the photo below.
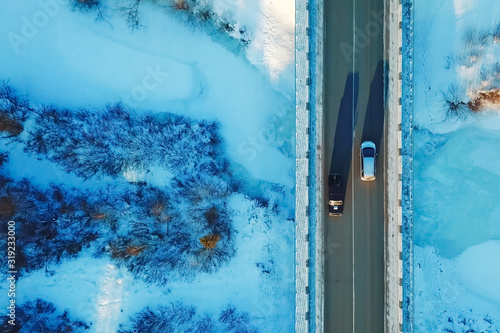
(407, 161)
(309, 166)
(302, 81)
(316, 167)
(394, 168)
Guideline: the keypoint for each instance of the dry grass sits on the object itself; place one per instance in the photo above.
(485, 99)
(159, 211)
(99, 216)
(135, 250)
(209, 241)
(181, 5)
(9, 125)
(212, 215)
(7, 207)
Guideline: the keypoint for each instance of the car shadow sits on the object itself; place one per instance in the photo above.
(342, 148)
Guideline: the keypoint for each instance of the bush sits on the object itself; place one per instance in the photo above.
(14, 112)
(173, 250)
(485, 99)
(178, 317)
(4, 158)
(41, 317)
(456, 101)
(9, 125)
(153, 240)
(131, 12)
(51, 224)
(175, 317)
(235, 322)
(496, 34)
(86, 5)
(116, 140)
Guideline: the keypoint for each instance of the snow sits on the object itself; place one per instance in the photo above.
(274, 22)
(57, 56)
(467, 287)
(457, 189)
(456, 214)
(97, 291)
(165, 67)
(109, 300)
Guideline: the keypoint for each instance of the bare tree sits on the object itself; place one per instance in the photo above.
(131, 13)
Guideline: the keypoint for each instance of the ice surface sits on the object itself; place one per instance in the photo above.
(458, 294)
(456, 181)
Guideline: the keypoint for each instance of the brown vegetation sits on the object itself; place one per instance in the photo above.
(7, 207)
(10, 125)
(485, 99)
(66, 208)
(117, 251)
(134, 250)
(123, 249)
(181, 5)
(209, 241)
(212, 215)
(99, 216)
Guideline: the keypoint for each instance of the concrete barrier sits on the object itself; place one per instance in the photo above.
(302, 167)
(393, 169)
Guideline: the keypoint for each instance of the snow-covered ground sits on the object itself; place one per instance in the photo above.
(54, 55)
(456, 185)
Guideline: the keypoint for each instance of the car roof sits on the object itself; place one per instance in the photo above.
(368, 166)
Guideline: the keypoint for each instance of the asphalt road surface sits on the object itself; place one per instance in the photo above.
(354, 112)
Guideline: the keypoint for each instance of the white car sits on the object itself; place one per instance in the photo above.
(368, 158)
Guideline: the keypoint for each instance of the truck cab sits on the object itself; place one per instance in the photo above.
(335, 195)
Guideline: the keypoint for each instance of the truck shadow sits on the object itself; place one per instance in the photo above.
(373, 127)
(342, 148)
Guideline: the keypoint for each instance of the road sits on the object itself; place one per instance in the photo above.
(354, 112)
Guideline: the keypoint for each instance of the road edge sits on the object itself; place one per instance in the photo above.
(393, 169)
(318, 145)
(302, 81)
(309, 263)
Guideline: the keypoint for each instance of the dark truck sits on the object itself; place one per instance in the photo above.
(335, 195)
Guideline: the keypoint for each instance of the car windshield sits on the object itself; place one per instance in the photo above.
(369, 152)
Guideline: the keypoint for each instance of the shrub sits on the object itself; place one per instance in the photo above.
(456, 101)
(485, 99)
(51, 224)
(181, 5)
(175, 251)
(205, 14)
(42, 317)
(9, 125)
(14, 112)
(178, 317)
(116, 140)
(4, 158)
(496, 34)
(131, 13)
(175, 317)
(235, 322)
(209, 241)
(86, 5)
(7, 208)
